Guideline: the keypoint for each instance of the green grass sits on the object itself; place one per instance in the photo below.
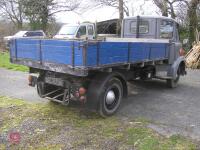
(91, 132)
(5, 63)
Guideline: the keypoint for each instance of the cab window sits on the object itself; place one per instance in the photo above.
(143, 27)
(166, 29)
(90, 30)
(82, 30)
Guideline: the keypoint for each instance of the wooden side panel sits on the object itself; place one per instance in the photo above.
(56, 51)
(113, 53)
(27, 49)
(108, 53)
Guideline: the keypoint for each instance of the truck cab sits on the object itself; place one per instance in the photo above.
(150, 27)
(153, 29)
(74, 31)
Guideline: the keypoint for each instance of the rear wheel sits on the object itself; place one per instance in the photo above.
(111, 97)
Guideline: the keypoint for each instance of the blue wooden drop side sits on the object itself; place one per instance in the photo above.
(87, 54)
(108, 53)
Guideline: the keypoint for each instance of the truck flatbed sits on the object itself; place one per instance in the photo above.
(77, 57)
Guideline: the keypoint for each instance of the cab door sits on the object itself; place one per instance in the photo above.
(169, 30)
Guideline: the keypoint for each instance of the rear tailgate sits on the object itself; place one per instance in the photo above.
(55, 55)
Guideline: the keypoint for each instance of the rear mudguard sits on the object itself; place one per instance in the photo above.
(179, 63)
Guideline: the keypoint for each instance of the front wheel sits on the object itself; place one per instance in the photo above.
(173, 83)
(110, 97)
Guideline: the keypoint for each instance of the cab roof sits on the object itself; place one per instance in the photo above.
(151, 17)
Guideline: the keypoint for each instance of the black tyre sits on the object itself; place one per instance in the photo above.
(105, 93)
(173, 83)
(110, 97)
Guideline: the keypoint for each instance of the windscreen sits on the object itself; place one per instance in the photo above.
(68, 30)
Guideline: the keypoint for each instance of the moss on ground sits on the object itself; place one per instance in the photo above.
(5, 63)
(63, 127)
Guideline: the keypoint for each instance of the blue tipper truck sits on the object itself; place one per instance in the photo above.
(96, 72)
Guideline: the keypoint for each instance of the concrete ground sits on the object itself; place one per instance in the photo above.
(171, 111)
(15, 84)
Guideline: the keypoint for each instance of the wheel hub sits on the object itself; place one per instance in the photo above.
(110, 98)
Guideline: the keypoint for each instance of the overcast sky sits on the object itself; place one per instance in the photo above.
(106, 13)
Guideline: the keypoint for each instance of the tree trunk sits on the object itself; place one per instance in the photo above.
(44, 19)
(19, 25)
(45, 15)
(121, 15)
(193, 22)
(165, 8)
(173, 15)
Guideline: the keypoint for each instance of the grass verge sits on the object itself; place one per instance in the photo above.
(53, 126)
(5, 63)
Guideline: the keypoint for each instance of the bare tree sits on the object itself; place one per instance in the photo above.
(39, 12)
(116, 4)
(167, 7)
(121, 5)
(193, 19)
(181, 13)
(121, 14)
(12, 9)
(121, 9)
(162, 5)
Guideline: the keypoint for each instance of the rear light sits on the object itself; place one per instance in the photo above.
(82, 91)
(30, 79)
(182, 52)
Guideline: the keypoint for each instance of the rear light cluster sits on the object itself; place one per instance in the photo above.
(81, 94)
(32, 80)
(182, 52)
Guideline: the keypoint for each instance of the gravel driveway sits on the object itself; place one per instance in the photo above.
(171, 111)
